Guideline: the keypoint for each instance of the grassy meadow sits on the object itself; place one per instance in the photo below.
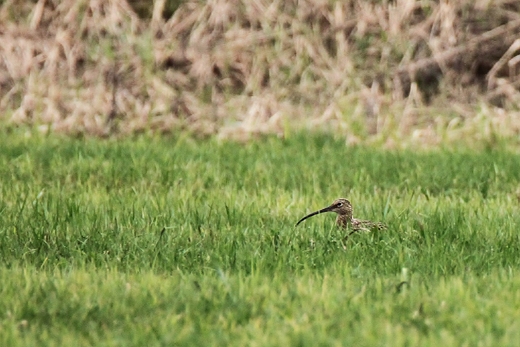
(173, 241)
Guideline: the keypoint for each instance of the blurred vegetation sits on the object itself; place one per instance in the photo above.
(392, 73)
(144, 8)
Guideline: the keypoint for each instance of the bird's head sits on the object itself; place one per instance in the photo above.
(341, 206)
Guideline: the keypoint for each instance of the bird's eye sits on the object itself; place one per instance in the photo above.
(340, 204)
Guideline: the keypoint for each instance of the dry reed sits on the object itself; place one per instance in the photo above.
(389, 71)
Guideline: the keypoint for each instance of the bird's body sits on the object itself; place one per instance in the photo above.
(345, 218)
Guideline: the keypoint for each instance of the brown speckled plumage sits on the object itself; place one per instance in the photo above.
(345, 218)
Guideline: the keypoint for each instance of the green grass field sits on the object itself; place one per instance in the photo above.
(172, 241)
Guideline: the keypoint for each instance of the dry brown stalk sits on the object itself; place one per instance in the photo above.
(474, 46)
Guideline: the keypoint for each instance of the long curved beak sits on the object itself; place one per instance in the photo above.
(323, 210)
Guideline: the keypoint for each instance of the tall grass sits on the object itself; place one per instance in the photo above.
(156, 241)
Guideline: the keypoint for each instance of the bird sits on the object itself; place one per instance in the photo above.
(345, 218)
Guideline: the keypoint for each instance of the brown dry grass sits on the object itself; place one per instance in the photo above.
(393, 72)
